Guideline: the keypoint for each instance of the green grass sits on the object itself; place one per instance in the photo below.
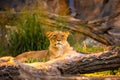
(90, 49)
(28, 36)
(104, 73)
(36, 60)
(2, 52)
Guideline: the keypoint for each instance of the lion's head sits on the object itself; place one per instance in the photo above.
(57, 38)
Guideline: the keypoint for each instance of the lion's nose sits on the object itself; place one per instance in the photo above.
(58, 40)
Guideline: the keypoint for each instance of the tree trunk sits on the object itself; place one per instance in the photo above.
(100, 20)
(99, 29)
(74, 63)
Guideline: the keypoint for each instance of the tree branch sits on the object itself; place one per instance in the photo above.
(96, 29)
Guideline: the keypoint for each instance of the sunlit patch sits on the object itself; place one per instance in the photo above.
(8, 60)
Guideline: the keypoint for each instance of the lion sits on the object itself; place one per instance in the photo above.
(58, 47)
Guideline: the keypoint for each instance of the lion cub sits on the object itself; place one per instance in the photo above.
(58, 46)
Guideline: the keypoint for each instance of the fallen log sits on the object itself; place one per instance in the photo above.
(73, 63)
(105, 30)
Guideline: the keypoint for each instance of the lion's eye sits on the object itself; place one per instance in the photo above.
(54, 36)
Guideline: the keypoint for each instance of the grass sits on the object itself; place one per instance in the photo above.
(91, 49)
(36, 60)
(2, 52)
(104, 73)
(28, 36)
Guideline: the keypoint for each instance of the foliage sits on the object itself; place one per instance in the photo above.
(90, 49)
(29, 36)
(2, 52)
(36, 60)
(105, 73)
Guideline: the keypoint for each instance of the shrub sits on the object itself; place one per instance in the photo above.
(28, 36)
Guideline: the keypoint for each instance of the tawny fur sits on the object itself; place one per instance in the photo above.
(58, 46)
(58, 43)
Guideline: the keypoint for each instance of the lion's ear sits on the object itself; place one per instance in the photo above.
(48, 34)
(66, 33)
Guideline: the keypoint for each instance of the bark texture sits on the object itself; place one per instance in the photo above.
(73, 63)
(98, 19)
(98, 29)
